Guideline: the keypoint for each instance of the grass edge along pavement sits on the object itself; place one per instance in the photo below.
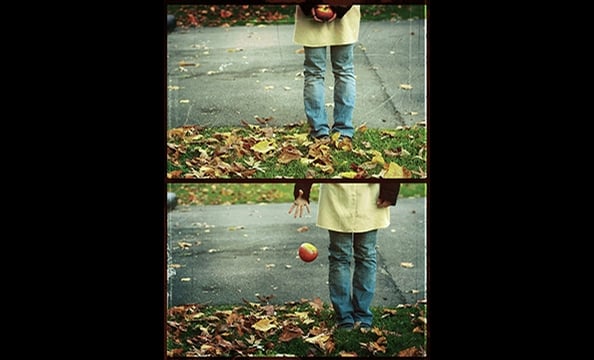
(266, 152)
(225, 15)
(231, 193)
(298, 328)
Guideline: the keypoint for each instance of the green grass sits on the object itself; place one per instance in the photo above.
(257, 152)
(291, 329)
(242, 193)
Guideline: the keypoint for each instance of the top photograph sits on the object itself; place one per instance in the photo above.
(292, 91)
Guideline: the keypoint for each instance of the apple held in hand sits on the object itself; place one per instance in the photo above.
(324, 12)
(308, 252)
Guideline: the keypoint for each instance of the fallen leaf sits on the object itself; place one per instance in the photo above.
(347, 354)
(290, 332)
(410, 352)
(289, 153)
(264, 324)
(183, 244)
(303, 229)
(263, 146)
(394, 171)
(318, 340)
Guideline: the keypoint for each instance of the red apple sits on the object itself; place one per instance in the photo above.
(324, 12)
(308, 252)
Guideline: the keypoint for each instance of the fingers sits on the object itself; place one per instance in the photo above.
(313, 13)
(382, 203)
(307, 207)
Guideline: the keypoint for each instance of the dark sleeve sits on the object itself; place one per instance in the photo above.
(304, 185)
(389, 191)
(307, 6)
(339, 10)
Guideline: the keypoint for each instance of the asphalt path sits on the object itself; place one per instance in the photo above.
(221, 76)
(225, 254)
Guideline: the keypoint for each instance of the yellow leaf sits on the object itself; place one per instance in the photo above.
(264, 324)
(405, 86)
(393, 171)
(348, 354)
(348, 174)
(318, 340)
(263, 146)
(196, 315)
(407, 265)
(328, 169)
(378, 159)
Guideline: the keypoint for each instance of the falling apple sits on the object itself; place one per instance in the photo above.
(324, 12)
(308, 252)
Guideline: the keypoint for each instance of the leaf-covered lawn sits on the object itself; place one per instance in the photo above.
(263, 151)
(211, 15)
(300, 328)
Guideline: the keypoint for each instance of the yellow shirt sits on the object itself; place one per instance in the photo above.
(308, 32)
(348, 207)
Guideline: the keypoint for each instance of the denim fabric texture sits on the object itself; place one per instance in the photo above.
(343, 70)
(351, 291)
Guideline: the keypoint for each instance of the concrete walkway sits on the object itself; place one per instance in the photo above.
(220, 76)
(221, 254)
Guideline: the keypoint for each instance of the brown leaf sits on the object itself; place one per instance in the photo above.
(303, 229)
(373, 347)
(317, 304)
(289, 153)
(290, 332)
(411, 351)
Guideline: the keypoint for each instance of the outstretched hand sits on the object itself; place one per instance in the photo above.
(298, 205)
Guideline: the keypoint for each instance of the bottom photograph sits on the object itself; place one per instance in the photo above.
(301, 268)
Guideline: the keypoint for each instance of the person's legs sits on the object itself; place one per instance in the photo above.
(345, 91)
(364, 276)
(314, 99)
(339, 276)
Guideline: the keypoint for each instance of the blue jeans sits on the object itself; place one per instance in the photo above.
(351, 295)
(343, 69)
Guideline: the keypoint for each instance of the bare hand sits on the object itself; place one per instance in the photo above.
(298, 205)
(313, 13)
(316, 18)
(382, 203)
